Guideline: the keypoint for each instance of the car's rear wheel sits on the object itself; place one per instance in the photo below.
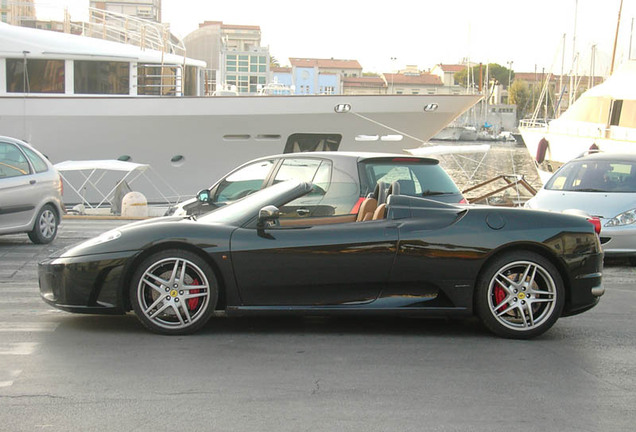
(174, 292)
(520, 295)
(45, 228)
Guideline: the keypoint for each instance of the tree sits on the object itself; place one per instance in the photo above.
(273, 62)
(495, 71)
(520, 95)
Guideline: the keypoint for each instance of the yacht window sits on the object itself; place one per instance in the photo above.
(267, 137)
(617, 107)
(177, 160)
(101, 77)
(190, 81)
(301, 142)
(155, 80)
(43, 76)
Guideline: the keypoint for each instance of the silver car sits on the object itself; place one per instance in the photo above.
(601, 185)
(30, 192)
(342, 180)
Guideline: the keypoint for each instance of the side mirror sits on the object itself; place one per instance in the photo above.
(268, 216)
(204, 196)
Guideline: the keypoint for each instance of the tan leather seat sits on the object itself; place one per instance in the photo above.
(380, 212)
(367, 208)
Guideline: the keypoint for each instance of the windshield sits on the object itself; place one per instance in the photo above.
(244, 209)
(595, 176)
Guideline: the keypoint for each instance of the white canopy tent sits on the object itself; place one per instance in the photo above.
(93, 172)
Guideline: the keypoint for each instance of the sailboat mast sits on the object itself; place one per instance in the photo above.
(618, 24)
(574, 56)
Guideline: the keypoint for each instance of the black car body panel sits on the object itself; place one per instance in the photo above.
(425, 258)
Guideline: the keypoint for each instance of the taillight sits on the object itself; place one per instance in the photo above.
(463, 201)
(597, 224)
(356, 206)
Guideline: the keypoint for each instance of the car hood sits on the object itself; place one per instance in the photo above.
(601, 204)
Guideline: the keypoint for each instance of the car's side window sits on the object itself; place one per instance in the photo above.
(37, 162)
(243, 181)
(298, 169)
(13, 163)
(309, 170)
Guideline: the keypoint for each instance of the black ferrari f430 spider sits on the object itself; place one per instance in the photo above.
(518, 270)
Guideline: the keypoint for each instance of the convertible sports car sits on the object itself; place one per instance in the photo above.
(518, 270)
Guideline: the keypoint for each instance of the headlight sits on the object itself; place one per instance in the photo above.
(625, 218)
(102, 238)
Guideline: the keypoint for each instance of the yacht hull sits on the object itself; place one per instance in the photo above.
(192, 141)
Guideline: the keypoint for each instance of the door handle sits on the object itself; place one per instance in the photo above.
(32, 182)
(302, 212)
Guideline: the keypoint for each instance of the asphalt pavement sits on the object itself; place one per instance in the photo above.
(62, 372)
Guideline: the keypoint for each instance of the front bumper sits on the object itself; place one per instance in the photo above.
(618, 241)
(92, 284)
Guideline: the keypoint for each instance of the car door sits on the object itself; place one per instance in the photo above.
(311, 170)
(321, 265)
(18, 188)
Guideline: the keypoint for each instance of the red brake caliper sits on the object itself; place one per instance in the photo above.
(194, 302)
(500, 295)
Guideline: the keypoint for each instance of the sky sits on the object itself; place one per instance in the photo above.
(388, 36)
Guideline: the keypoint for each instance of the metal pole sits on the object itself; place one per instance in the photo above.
(631, 35)
(618, 24)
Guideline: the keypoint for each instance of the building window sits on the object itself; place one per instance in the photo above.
(43, 76)
(101, 77)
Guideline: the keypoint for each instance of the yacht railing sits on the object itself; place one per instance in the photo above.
(122, 28)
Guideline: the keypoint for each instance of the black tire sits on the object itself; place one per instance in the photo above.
(520, 295)
(45, 226)
(174, 292)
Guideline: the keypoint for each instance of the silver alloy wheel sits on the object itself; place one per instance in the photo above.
(47, 224)
(522, 295)
(173, 293)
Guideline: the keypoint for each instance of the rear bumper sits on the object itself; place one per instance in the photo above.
(586, 287)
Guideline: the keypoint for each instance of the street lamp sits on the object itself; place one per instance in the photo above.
(393, 59)
(509, 77)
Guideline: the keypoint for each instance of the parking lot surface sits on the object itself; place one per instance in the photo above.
(61, 371)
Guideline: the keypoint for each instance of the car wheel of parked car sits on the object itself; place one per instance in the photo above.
(520, 295)
(174, 292)
(45, 228)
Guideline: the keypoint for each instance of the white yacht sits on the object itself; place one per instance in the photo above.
(603, 118)
(82, 98)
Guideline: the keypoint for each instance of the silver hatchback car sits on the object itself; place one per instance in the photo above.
(600, 185)
(30, 192)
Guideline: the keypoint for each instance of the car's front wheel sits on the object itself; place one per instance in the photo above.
(520, 295)
(174, 292)
(45, 228)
